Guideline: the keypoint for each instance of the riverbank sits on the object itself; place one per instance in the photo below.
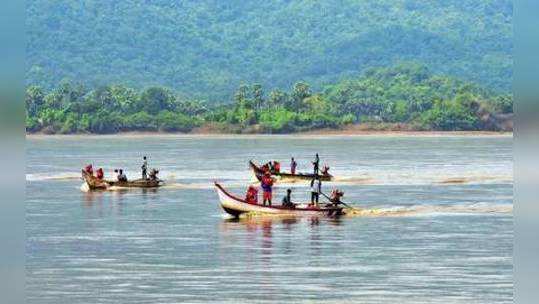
(317, 133)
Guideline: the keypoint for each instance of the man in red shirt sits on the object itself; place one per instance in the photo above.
(277, 167)
(267, 184)
(89, 169)
(252, 195)
(99, 173)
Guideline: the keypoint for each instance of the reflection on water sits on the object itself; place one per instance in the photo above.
(265, 223)
(426, 243)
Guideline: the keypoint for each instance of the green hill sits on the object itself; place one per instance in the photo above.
(206, 48)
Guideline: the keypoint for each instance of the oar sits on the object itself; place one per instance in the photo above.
(343, 203)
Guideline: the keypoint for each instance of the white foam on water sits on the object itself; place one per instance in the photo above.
(375, 176)
(119, 188)
(188, 185)
(430, 210)
(206, 174)
(31, 177)
(84, 187)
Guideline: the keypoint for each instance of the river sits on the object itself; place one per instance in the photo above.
(442, 233)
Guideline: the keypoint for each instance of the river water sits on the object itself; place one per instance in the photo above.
(442, 231)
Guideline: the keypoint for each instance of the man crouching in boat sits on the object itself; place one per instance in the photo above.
(335, 201)
(287, 200)
(336, 196)
(89, 169)
(267, 184)
(153, 174)
(121, 177)
(276, 167)
(100, 174)
(251, 196)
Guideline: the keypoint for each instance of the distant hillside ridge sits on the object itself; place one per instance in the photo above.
(207, 48)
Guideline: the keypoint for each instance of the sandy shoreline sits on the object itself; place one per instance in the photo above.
(317, 133)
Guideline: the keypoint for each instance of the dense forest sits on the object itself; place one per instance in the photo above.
(407, 96)
(205, 49)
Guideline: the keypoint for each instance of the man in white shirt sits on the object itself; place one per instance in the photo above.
(316, 189)
(144, 168)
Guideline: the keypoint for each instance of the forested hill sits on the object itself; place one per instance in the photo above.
(206, 48)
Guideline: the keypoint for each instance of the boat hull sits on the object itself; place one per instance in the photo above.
(236, 206)
(285, 176)
(96, 184)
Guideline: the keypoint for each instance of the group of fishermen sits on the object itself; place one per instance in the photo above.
(275, 166)
(266, 183)
(120, 175)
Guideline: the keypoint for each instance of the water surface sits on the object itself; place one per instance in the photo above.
(444, 233)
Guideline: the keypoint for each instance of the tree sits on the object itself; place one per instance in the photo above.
(241, 97)
(105, 98)
(156, 99)
(300, 91)
(191, 107)
(34, 100)
(277, 98)
(170, 122)
(258, 96)
(70, 124)
(105, 122)
(449, 116)
(315, 104)
(277, 120)
(140, 121)
(125, 98)
(503, 104)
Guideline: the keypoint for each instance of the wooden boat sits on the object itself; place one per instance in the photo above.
(100, 184)
(259, 172)
(236, 206)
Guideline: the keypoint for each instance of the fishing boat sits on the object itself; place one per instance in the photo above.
(100, 184)
(259, 173)
(237, 206)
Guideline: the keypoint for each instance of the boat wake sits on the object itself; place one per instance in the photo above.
(196, 181)
(355, 180)
(85, 188)
(419, 180)
(432, 210)
(33, 177)
(187, 186)
(475, 180)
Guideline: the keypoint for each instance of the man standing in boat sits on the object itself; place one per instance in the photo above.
(316, 164)
(316, 189)
(293, 166)
(144, 168)
(267, 184)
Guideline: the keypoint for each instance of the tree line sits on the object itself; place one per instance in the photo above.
(406, 94)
